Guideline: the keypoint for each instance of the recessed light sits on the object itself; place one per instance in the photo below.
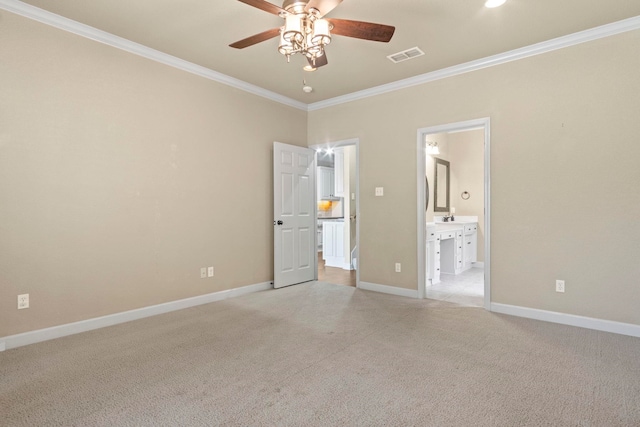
(494, 3)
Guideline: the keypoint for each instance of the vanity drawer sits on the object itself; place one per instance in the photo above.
(447, 235)
(470, 228)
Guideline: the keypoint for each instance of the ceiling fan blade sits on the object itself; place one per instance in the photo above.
(256, 38)
(320, 61)
(322, 6)
(362, 30)
(265, 5)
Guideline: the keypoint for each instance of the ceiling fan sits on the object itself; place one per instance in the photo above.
(306, 31)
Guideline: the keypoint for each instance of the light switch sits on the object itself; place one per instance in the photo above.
(379, 191)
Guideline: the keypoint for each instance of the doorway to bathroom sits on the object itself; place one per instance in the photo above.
(453, 213)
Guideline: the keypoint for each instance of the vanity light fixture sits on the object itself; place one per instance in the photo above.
(432, 148)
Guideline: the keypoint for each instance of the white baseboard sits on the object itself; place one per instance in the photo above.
(46, 334)
(385, 289)
(477, 265)
(568, 319)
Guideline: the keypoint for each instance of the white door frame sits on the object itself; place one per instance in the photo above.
(336, 144)
(422, 241)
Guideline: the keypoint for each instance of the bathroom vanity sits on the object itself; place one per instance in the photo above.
(452, 247)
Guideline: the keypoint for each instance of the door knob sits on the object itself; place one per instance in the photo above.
(279, 223)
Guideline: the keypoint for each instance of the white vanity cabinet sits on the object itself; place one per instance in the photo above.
(470, 245)
(433, 255)
(451, 248)
(326, 183)
(333, 243)
(451, 258)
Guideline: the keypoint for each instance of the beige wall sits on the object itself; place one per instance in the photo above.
(564, 171)
(466, 154)
(121, 177)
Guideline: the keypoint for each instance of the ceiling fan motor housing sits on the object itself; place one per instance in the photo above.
(294, 6)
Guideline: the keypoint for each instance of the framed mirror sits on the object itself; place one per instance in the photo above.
(441, 186)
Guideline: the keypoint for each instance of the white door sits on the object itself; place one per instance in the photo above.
(294, 206)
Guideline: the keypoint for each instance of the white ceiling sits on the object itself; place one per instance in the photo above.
(450, 32)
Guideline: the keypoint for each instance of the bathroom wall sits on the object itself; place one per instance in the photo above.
(466, 154)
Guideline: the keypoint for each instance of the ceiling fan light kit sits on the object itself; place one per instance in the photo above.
(307, 32)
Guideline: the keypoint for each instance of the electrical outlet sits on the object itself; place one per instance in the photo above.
(203, 273)
(398, 267)
(559, 285)
(379, 191)
(23, 301)
(210, 272)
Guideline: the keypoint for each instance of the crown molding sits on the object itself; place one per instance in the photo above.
(60, 22)
(66, 24)
(596, 33)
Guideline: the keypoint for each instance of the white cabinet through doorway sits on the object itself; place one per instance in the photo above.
(326, 183)
(333, 243)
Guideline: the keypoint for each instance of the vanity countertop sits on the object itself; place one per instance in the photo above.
(449, 225)
(460, 221)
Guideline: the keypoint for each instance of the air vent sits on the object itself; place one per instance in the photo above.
(405, 55)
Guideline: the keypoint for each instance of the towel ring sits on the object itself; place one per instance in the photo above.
(465, 195)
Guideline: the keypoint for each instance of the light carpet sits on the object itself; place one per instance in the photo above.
(325, 355)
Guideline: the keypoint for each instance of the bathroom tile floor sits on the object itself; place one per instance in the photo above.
(465, 289)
